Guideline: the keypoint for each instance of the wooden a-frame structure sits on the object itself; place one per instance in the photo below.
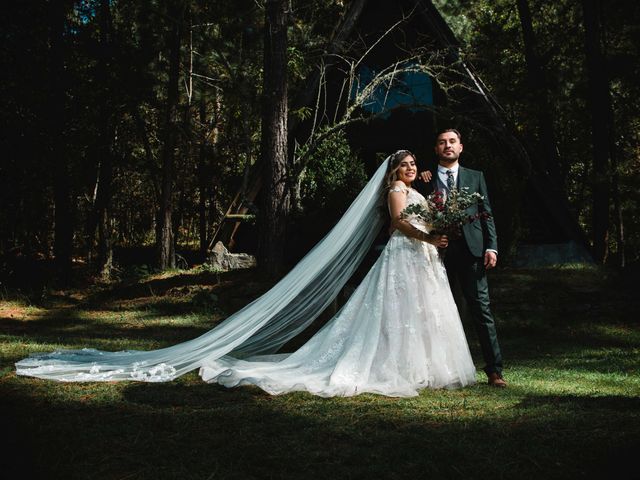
(423, 24)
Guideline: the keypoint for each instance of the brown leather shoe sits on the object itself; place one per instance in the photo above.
(495, 380)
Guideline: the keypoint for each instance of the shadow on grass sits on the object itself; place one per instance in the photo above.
(199, 431)
(132, 289)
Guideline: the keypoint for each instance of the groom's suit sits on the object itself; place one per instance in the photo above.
(464, 261)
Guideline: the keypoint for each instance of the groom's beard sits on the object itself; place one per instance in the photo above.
(447, 161)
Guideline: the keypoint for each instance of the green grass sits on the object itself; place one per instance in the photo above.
(570, 337)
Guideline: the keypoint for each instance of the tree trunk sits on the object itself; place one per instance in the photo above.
(600, 107)
(275, 209)
(617, 209)
(63, 216)
(618, 219)
(99, 215)
(213, 153)
(105, 244)
(547, 145)
(152, 167)
(166, 248)
(203, 180)
(186, 144)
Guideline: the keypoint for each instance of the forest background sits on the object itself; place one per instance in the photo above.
(124, 120)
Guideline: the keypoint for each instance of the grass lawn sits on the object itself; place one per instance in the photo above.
(570, 337)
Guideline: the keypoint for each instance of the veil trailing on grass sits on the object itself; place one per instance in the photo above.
(262, 327)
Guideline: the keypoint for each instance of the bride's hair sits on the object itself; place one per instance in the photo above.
(394, 164)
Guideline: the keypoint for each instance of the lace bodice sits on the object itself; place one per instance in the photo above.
(413, 197)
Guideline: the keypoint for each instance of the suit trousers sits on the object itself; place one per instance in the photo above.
(470, 273)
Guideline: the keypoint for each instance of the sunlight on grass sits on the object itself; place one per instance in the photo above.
(589, 267)
(624, 333)
(20, 310)
(554, 380)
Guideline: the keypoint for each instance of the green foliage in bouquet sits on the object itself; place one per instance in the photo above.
(446, 214)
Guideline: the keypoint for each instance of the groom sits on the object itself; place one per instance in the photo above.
(470, 256)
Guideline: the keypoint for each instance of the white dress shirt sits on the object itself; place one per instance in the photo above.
(442, 174)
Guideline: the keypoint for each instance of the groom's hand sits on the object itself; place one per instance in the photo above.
(426, 176)
(490, 260)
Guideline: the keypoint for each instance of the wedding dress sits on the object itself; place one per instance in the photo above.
(399, 331)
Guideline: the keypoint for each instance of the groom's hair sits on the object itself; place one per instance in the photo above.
(450, 130)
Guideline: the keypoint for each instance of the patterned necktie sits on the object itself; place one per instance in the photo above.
(450, 180)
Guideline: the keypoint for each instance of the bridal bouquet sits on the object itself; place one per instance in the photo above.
(446, 215)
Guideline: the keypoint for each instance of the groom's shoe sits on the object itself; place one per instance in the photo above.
(496, 380)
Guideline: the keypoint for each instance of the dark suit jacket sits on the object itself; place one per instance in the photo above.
(479, 235)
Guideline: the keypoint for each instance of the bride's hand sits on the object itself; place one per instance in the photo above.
(440, 241)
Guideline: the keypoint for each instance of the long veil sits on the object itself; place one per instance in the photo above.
(262, 327)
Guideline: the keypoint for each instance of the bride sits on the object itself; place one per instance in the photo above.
(399, 331)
